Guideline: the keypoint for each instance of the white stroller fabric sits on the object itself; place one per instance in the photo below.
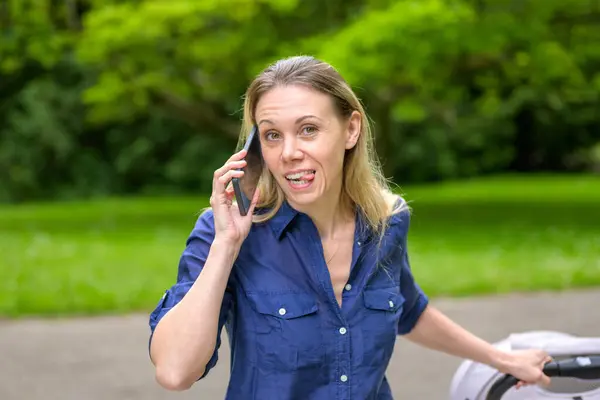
(472, 381)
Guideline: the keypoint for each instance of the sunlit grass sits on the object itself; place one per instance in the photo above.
(480, 236)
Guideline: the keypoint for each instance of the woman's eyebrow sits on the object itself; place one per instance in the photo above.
(298, 120)
(306, 117)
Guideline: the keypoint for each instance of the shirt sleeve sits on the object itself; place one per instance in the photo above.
(190, 265)
(415, 300)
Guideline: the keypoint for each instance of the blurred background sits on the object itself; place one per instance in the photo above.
(114, 114)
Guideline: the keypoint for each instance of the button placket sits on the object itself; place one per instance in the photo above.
(344, 366)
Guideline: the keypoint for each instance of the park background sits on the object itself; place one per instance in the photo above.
(114, 114)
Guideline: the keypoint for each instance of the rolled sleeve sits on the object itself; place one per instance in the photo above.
(415, 300)
(191, 263)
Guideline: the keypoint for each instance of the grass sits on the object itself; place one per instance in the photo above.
(479, 236)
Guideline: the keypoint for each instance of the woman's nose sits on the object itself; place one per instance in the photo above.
(291, 150)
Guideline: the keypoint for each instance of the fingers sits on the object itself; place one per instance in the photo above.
(533, 364)
(519, 385)
(225, 179)
(235, 159)
(545, 380)
(223, 176)
(229, 192)
(237, 156)
(254, 202)
(230, 165)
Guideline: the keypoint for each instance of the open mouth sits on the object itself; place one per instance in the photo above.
(301, 178)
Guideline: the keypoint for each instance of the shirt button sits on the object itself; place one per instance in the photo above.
(358, 243)
(391, 304)
(348, 287)
(343, 378)
(343, 330)
(282, 311)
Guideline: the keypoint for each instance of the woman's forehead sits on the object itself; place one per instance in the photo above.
(289, 104)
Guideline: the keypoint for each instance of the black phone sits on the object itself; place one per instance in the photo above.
(245, 187)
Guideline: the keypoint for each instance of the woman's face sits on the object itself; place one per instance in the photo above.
(304, 141)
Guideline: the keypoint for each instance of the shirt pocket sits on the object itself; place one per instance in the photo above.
(287, 328)
(379, 327)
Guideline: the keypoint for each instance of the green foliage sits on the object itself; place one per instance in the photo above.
(102, 97)
(457, 78)
(193, 57)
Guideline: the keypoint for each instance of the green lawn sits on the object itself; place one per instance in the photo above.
(479, 236)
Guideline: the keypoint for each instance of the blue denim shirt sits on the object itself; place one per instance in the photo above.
(289, 338)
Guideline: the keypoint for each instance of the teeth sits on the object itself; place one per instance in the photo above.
(299, 175)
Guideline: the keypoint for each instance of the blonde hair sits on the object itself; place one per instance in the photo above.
(364, 184)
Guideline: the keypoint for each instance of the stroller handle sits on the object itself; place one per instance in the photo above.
(582, 367)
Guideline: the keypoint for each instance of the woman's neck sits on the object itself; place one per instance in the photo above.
(330, 216)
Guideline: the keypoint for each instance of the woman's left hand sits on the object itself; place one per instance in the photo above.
(527, 366)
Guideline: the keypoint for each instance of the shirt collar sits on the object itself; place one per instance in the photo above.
(282, 218)
(286, 214)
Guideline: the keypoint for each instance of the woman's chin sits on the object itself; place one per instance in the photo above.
(301, 199)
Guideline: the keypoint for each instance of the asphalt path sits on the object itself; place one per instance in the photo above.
(106, 357)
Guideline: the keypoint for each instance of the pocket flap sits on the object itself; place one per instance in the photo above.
(387, 299)
(283, 305)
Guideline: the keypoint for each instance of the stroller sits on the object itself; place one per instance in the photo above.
(575, 371)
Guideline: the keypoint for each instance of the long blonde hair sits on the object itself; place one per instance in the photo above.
(364, 184)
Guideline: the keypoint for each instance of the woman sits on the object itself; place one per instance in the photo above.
(316, 285)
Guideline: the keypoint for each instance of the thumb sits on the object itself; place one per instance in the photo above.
(545, 380)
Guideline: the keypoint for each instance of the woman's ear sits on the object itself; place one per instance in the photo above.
(353, 130)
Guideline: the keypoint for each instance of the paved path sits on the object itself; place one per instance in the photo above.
(106, 358)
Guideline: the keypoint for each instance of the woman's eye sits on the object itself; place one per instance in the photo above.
(309, 130)
(271, 135)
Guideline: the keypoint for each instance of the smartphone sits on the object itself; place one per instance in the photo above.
(245, 187)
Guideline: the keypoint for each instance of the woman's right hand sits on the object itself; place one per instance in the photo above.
(230, 226)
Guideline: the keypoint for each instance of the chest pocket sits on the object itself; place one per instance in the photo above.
(379, 327)
(288, 330)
